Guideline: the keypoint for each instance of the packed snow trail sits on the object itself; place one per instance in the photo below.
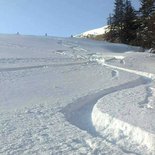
(79, 113)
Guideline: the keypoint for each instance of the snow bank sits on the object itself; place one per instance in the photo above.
(123, 119)
(125, 135)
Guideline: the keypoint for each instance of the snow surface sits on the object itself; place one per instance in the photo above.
(75, 96)
(94, 32)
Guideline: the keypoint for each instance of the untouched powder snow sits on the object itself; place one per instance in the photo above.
(75, 96)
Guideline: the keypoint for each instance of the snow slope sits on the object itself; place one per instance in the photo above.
(94, 32)
(75, 96)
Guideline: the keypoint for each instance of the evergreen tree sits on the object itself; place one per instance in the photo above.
(152, 22)
(115, 23)
(146, 21)
(110, 35)
(118, 17)
(109, 19)
(132, 27)
(122, 23)
(129, 24)
(152, 25)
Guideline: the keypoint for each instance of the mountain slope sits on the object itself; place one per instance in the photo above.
(92, 33)
(75, 96)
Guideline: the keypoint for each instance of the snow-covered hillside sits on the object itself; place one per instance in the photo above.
(92, 33)
(75, 96)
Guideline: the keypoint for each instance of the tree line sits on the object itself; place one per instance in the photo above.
(130, 26)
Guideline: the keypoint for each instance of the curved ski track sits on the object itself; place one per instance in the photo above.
(79, 112)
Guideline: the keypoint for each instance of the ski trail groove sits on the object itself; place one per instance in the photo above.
(40, 66)
(79, 112)
(147, 139)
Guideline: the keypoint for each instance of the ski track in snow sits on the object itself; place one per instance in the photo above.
(147, 139)
(39, 66)
(87, 103)
(80, 112)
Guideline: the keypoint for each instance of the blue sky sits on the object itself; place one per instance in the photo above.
(54, 17)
